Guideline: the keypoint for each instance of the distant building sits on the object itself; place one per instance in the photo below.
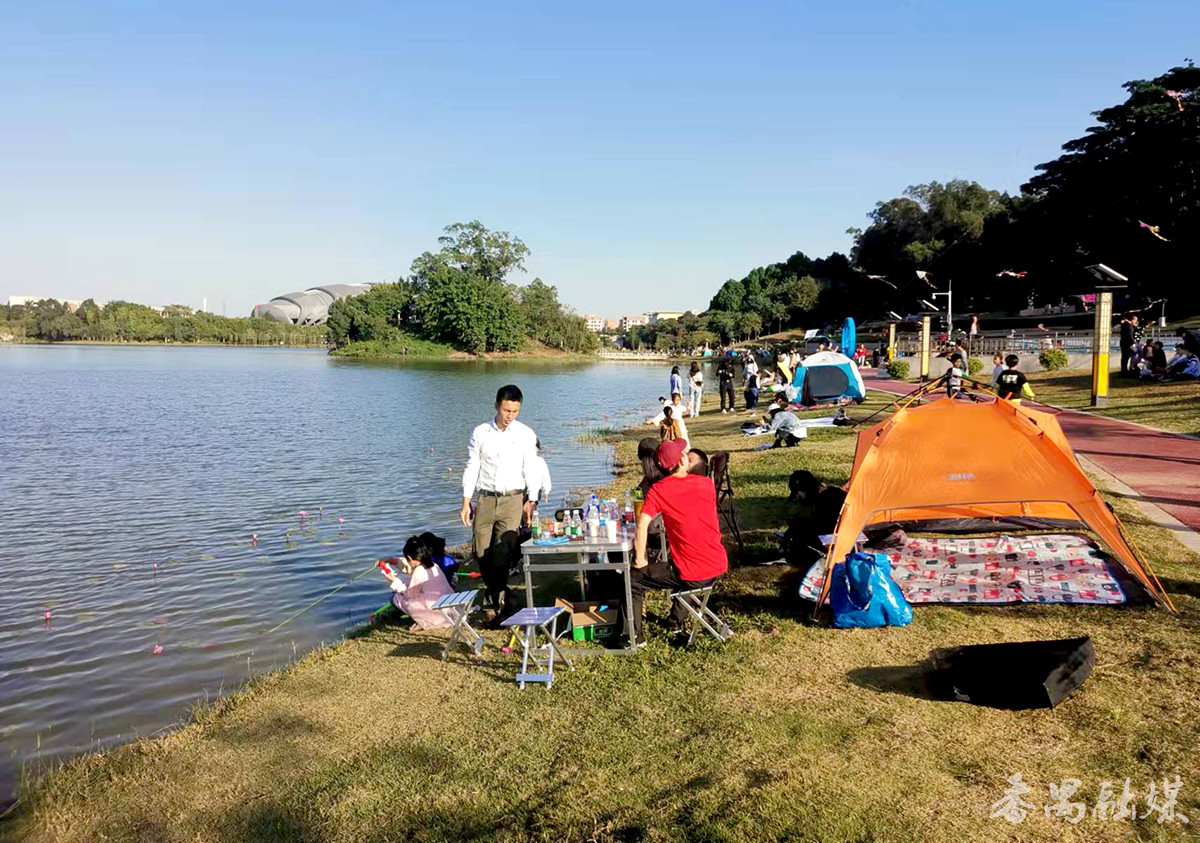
(310, 307)
(628, 322)
(20, 301)
(664, 315)
(594, 323)
(612, 324)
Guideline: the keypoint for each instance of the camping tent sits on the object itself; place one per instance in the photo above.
(951, 463)
(827, 377)
(849, 337)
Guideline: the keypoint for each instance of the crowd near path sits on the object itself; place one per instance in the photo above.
(1163, 468)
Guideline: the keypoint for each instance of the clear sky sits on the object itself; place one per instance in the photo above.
(161, 152)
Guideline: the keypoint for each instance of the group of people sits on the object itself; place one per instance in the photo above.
(1148, 360)
(504, 478)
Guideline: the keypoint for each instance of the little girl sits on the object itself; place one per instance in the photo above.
(419, 586)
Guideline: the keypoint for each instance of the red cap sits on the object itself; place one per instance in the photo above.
(670, 453)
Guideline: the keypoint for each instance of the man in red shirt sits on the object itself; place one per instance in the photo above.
(688, 503)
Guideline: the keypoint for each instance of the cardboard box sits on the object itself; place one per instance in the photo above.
(589, 612)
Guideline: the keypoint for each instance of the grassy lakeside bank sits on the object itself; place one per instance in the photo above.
(790, 731)
(408, 347)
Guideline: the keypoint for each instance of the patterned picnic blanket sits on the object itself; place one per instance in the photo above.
(1058, 568)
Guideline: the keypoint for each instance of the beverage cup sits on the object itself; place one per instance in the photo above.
(611, 529)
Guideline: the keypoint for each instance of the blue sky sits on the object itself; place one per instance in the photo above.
(644, 151)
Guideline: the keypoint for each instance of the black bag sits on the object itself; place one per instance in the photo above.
(1027, 674)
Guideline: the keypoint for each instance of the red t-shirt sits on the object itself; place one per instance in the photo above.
(689, 509)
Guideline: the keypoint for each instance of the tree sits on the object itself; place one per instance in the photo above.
(730, 297)
(490, 255)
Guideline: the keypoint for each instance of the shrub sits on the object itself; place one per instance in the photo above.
(974, 366)
(898, 369)
(1053, 358)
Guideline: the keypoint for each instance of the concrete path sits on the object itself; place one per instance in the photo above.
(1162, 468)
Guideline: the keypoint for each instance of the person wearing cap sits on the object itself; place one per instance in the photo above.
(688, 504)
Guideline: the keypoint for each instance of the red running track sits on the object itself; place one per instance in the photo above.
(1164, 468)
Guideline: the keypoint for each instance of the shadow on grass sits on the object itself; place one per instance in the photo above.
(906, 680)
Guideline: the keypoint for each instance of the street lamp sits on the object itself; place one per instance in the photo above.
(949, 294)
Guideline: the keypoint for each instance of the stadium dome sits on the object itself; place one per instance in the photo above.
(310, 307)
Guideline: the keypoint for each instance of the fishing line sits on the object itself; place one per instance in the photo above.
(321, 599)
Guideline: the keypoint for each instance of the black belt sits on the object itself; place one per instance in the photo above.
(501, 494)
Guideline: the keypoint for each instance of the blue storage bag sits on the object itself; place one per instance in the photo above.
(863, 593)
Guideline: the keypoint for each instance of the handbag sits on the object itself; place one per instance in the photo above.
(863, 594)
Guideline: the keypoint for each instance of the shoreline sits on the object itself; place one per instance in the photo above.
(314, 749)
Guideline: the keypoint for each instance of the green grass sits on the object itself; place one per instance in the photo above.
(791, 731)
(1171, 405)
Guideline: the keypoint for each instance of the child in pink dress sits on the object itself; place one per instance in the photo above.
(418, 587)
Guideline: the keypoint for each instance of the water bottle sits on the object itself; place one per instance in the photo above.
(535, 523)
(628, 508)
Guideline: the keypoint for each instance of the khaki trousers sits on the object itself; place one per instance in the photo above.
(495, 535)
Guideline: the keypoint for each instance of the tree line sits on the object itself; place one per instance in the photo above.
(1126, 194)
(50, 320)
(461, 296)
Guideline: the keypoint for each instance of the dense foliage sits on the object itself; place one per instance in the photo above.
(1126, 195)
(462, 296)
(121, 321)
(1052, 359)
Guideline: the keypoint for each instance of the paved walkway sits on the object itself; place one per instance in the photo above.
(1162, 468)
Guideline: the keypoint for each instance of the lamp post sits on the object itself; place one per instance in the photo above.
(949, 294)
(891, 346)
(1102, 332)
(924, 348)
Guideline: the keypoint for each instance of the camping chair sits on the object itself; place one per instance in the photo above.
(537, 622)
(718, 469)
(695, 603)
(457, 606)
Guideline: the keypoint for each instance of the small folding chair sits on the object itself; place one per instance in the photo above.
(718, 465)
(695, 603)
(457, 607)
(538, 622)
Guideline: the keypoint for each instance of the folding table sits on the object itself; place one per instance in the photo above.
(575, 557)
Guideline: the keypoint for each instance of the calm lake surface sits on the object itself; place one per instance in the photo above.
(134, 477)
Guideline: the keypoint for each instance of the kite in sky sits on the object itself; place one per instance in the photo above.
(1177, 96)
(922, 273)
(1153, 229)
(1012, 274)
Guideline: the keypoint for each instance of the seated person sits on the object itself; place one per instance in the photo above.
(437, 549)
(1155, 362)
(688, 505)
(1184, 365)
(697, 462)
(418, 586)
(678, 411)
(786, 427)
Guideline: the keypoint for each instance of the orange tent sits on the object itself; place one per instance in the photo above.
(965, 460)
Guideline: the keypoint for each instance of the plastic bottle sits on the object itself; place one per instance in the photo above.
(535, 523)
(628, 508)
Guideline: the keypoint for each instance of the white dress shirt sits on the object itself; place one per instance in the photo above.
(541, 479)
(501, 460)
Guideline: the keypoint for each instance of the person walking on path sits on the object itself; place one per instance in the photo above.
(688, 504)
(676, 381)
(695, 388)
(502, 470)
(725, 386)
(1126, 342)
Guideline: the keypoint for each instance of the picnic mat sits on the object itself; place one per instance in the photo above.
(1057, 568)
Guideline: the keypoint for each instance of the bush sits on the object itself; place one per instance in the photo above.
(974, 366)
(898, 369)
(1053, 358)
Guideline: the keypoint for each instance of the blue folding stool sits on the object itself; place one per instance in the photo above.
(543, 622)
(457, 607)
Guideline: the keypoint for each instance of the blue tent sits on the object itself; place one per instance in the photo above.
(827, 378)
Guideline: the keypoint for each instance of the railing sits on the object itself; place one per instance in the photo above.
(1031, 342)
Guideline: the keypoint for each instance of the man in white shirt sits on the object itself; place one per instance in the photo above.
(502, 471)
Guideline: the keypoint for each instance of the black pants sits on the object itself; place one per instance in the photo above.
(727, 402)
(788, 439)
(1126, 356)
(655, 576)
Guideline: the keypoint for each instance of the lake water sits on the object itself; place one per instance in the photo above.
(133, 478)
